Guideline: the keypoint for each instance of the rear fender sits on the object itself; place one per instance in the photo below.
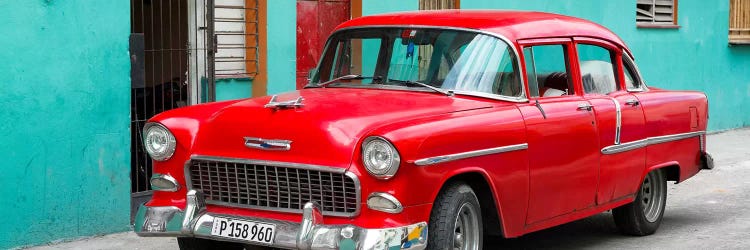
(672, 168)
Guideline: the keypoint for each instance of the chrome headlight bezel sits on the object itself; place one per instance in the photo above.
(371, 144)
(169, 141)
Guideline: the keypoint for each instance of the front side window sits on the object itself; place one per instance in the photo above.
(597, 69)
(462, 61)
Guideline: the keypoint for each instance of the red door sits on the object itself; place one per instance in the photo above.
(561, 132)
(316, 19)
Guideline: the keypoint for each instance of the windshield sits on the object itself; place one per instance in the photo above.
(462, 61)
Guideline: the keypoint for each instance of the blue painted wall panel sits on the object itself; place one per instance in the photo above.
(372, 7)
(694, 57)
(282, 46)
(233, 88)
(64, 119)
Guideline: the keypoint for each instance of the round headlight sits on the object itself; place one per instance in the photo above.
(380, 157)
(158, 141)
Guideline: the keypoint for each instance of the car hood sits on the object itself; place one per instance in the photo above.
(325, 130)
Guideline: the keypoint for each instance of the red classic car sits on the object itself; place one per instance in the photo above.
(429, 130)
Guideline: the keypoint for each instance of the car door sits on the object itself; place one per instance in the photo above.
(561, 133)
(619, 118)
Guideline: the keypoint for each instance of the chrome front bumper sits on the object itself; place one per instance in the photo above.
(310, 233)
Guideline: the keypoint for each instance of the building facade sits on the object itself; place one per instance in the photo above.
(83, 76)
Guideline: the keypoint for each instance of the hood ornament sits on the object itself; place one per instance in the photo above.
(285, 104)
(268, 144)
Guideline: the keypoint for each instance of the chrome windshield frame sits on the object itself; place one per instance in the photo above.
(522, 98)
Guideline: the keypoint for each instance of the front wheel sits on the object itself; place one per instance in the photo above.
(643, 216)
(455, 221)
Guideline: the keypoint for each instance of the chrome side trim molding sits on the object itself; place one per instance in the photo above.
(619, 148)
(614, 149)
(674, 137)
(469, 154)
(618, 128)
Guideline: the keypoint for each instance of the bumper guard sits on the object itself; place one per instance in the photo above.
(311, 233)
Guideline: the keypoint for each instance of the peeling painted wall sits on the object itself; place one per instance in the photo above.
(694, 57)
(64, 119)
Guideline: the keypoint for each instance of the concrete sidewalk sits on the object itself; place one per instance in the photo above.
(709, 211)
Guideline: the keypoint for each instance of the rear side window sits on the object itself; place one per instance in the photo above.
(547, 71)
(597, 69)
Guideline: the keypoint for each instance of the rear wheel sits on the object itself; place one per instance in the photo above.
(643, 216)
(455, 221)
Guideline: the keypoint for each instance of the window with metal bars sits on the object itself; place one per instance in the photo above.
(739, 21)
(236, 30)
(656, 13)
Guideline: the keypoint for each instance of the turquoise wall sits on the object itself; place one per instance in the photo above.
(372, 7)
(233, 88)
(282, 46)
(694, 57)
(65, 102)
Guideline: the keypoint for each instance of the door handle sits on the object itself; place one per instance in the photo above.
(585, 106)
(632, 102)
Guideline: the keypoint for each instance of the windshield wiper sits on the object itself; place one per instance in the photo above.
(436, 89)
(341, 78)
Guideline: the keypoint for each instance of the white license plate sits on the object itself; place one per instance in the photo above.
(244, 230)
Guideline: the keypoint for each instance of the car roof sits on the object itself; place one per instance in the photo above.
(514, 25)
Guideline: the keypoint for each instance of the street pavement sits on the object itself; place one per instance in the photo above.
(708, 211)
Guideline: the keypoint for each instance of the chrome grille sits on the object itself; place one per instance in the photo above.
(273, 186)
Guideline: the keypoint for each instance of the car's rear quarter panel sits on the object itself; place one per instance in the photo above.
(670, 113)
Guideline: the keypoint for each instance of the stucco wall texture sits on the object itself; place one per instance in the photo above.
(64, 115)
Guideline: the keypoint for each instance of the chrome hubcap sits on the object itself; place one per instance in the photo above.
(652, 196)
(466, 229)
